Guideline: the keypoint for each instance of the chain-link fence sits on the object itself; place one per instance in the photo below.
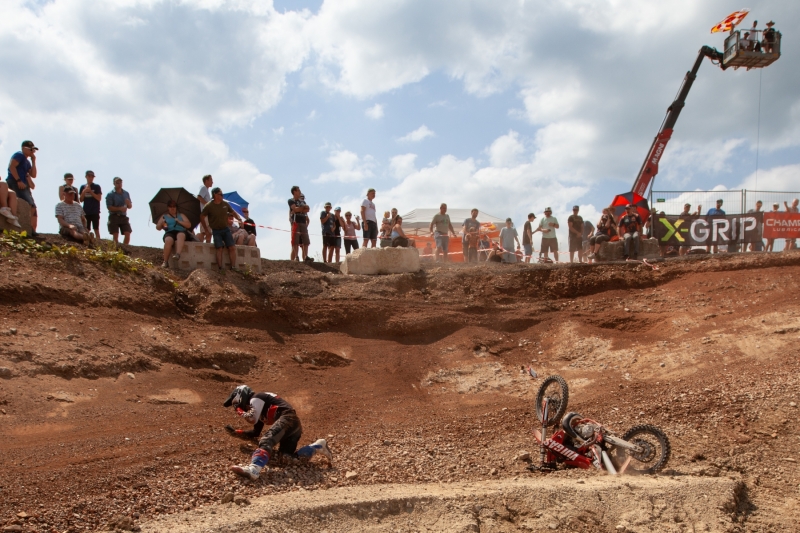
(734, 202)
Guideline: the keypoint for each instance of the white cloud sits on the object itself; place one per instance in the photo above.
(417, 135)
(402, 166)
(348, 167)
(375, 112)
(506, 150)
(278, 131)
(782, 178)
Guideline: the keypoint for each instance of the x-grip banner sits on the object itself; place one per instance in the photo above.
(708, 230)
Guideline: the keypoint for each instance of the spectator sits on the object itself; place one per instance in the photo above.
(606, 229)
(527, 237)
(393, 217)
(71, 219)
(399, 237)
(328, 223)
(469, 224)
(21, 174)
(69, 180)
(8, 204)
(175, 226)
(338, 222)
(204, 196)
(216, 213)
(757, 246)
(791, 244)
(298, 210)
(548, 227)
(237, 231)
(518, 254)
(507, 237)
(586, 234)
(495, 254)
(769, 38)
(484, 247)
(630, 227)
(350, 228)
(427, 252)
(370, 218)
(471, 245)
(118, 201)
(715, 211)
(575, 225)
(91, 195)
(683, 249)
(386, 230)
(771, 242)
(652, 217)
(756, 44)
(249, 227)
(745, 43)
(442, 222)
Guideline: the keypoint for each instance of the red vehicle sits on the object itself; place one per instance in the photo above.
(585, 443)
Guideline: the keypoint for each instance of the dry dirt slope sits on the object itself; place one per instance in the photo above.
(412, 378)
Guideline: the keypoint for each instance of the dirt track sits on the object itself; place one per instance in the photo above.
(412, 378)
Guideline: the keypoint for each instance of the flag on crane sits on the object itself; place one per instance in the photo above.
(730, 21)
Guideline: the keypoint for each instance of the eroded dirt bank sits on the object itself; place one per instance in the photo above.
(111, 384)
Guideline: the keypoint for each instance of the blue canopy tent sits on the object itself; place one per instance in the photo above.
(236, 201)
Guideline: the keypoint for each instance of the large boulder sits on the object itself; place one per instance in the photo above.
(372, 261)
(612, 251)
(24, 215)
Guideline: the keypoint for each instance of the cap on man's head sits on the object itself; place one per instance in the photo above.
(115, 180)
(328, 204)
(29, 144)
(548, 210)
(337, 208)
(770, 23)
(89, 173)
(216, 190)
(776, 204)
(68, 189)
(576, 207)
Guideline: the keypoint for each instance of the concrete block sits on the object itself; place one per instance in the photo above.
(204, 255)
(24, 215)
(612, 251)
(372, 261)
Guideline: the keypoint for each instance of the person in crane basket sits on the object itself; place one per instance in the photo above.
(285, 429)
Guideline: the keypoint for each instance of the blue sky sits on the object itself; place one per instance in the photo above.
(506, 106)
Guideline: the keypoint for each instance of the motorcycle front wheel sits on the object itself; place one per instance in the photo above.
(555, 389)
(655, 450)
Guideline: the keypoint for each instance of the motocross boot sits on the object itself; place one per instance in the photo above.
(318, 446)
(258, 461)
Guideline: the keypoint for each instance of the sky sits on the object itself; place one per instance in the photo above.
(509, 106)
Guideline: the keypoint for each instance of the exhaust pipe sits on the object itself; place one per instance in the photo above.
(608, 463)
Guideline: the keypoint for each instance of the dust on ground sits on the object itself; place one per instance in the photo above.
(111, 384)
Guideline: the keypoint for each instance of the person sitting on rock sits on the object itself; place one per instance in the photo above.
(176, 227)
(8, 205)
(399, 237)
(285, 429)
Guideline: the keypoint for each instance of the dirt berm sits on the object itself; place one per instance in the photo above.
(606, 503)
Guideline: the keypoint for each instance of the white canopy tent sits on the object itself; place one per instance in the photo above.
(418, 221)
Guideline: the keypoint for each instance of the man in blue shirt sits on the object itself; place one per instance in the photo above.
(20, 177)
(118, 202)
(712, 212)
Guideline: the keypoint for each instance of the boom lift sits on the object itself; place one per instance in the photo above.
(739, 52)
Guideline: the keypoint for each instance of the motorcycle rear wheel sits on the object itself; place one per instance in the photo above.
(656, 450)
(555, 389)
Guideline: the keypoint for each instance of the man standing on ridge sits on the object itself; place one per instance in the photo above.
(21, 173)
(369, 219)
(118, 201)
(442, 222)
(91, 194)
(285, 429)
(215, 215)
(548, 227)
(298, 214)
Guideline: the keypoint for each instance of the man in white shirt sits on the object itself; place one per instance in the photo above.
(204, 196)
(368, 214)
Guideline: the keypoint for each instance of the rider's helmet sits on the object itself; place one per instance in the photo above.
(240, 397)
(567, 422)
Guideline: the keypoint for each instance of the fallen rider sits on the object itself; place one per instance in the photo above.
(285, 429)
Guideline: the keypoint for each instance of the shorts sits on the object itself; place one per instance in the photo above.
(575, 243)
(370, 230)
(173, 234)
(222, 238)
(599, 239)
(549, 245)
(117, 224)
(350, 244)
(337, 242)
(93, 221)
(22, 194)
(300, 234)
(442, 241)
(65, 232)
(399, 242)
(386, 242)
(528, 249)
(329, 241)
(509, 257)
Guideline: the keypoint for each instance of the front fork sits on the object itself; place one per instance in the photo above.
(542, 448)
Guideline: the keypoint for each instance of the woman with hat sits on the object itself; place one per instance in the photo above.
(175, 226)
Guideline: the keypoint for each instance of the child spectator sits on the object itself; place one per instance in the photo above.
(68, 182)
(91, 194)
(427, 253)
(386, 230)
(507, 237)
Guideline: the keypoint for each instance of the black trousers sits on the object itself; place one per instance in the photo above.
(286, 431)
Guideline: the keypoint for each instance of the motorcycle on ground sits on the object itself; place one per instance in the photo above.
(580, 442)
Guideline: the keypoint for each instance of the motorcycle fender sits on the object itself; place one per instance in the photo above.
(616, 441)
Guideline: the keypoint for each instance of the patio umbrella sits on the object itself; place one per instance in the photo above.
(188, 204)
(236, 201)
(621, 200)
